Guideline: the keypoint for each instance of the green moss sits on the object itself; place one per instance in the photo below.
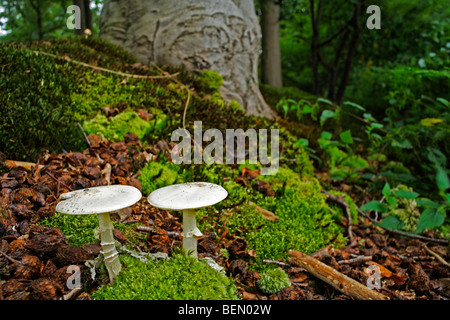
(208, 82)
(273, 280)
(78, 230)
(157, 175)
(118, 126)
(306, 223)
(179, 278)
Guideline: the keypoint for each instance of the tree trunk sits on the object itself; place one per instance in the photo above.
(271, 52)
(351, 50)
(315, 54)
(220, 35)
(86, 16)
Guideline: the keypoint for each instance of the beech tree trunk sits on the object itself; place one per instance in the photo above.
(271, 52)
(220, 35)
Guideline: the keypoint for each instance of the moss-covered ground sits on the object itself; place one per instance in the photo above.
(44, 97)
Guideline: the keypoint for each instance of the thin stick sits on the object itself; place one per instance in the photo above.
(57, 180)
(441, 260)
(356, 260)
(283, 264)
(129, 75)
(84, 134)
(186, 106)
(9, 258)
(343, 203)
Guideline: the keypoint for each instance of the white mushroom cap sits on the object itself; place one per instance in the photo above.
(100, 199)
(191, 195)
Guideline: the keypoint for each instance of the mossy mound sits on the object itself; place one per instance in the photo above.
(179, 278)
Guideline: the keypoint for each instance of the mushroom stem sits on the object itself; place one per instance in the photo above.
(190, 232)
(107, 242)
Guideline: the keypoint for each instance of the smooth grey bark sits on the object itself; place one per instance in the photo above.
(271, 51)
(220, 35)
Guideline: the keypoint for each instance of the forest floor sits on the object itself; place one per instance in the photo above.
(34, 257)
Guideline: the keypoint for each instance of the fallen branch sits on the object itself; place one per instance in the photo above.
(338, 280)
(27, 165)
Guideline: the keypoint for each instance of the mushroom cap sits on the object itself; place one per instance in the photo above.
(98, 199)
(190, 195)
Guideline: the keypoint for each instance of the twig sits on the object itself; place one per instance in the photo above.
(57, 180)
(356, 260)
(344, 204)
(72, 293)
(129, 75)
(441, 260)
(283, 264)
(186, 106)
(150, 229)
(84, 134)
(9, 258)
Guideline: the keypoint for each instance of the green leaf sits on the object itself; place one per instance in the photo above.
(376, 125)
(326, 135)
(424, 202)
(391, 222)
(442, 180)
(375, 206)
(428, 122)
(406, 194)
(302, 142)
(443, 101)
(325, 101)
(307, 109)
(387, 194)
(355, 105)
(402, 143)
(346, 137)
(429, 219)
(386, 190)
(326, 114)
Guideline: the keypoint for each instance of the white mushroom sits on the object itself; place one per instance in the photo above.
(102, 201)
(188, 197)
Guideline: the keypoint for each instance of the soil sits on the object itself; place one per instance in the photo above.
(34, 258)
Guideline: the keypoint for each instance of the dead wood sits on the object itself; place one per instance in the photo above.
(341, 282)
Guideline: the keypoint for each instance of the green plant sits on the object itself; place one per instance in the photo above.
(403, 206)
(273, 280)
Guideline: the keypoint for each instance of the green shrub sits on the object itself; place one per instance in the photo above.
(179, 278)
(273, 280)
